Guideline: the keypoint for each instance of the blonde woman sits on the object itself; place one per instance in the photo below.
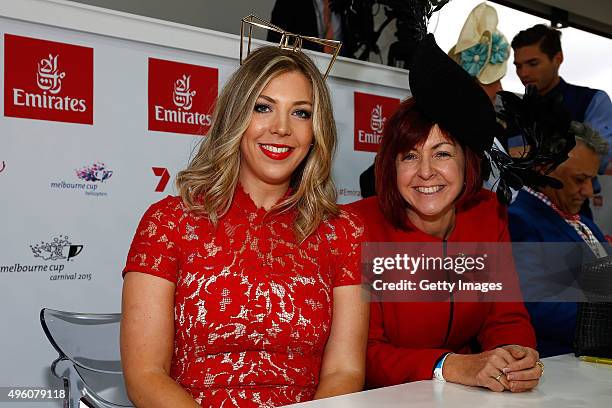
(230, 288)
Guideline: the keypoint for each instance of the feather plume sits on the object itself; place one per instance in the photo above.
(544, 126)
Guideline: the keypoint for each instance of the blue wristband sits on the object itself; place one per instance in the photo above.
(438, 369)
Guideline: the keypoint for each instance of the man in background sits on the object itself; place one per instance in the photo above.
(549, 273)
(312, 18)
(537, 58)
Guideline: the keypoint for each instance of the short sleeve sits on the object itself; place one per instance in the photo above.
(346, 249)
(154, 247)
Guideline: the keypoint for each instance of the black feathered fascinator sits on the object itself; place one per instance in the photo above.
(544, 124)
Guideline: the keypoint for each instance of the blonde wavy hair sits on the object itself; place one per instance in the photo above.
(208, 183)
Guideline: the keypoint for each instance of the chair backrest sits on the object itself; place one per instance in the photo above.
(89, 360)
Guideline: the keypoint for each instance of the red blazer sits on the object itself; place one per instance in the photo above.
(406, 339)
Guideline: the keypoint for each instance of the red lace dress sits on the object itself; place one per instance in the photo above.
(252, 308)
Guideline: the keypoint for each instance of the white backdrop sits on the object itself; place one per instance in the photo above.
(46, 208)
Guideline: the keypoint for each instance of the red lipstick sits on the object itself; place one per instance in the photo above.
(276, 151)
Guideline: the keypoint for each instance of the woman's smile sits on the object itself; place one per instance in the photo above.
(429, 190)
(276, 151)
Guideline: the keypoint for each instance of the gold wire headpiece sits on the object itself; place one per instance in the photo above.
(288, 41)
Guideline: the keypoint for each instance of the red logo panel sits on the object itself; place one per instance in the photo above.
(371, 113)
(47, 80)
(181, 96)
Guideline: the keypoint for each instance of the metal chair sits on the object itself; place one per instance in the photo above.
(89, 363)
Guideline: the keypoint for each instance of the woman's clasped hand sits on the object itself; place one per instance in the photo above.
(514, 368)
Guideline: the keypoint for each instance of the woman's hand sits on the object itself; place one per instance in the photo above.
(524, 373)
(483, 369)
(514, 368)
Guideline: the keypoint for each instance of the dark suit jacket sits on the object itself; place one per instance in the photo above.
(546, 273)
(296, 16)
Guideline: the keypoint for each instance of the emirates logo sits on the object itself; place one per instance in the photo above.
(48, 76)
(47, 80)
(182, 95)
(377, 121)
(371, 113)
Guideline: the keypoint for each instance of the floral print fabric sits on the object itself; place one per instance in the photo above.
(253, 307)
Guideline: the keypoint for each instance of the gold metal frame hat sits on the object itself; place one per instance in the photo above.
(481, 49)
(288, 41)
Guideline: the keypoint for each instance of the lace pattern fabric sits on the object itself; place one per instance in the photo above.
(252, 307)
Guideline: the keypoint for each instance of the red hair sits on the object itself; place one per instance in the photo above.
(407, 128)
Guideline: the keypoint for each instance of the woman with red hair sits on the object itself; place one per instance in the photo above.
(436, 150)
(429, 188)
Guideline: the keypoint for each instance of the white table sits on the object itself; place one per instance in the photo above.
(567, 382)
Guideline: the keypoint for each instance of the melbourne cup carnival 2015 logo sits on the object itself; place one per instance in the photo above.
(187, 108)
(48, 80)
(371, 113)
(58, 248)
(56, 255)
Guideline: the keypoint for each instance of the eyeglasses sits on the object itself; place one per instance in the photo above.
(288, 41)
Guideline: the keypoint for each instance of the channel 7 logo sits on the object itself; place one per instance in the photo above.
(164, 177)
